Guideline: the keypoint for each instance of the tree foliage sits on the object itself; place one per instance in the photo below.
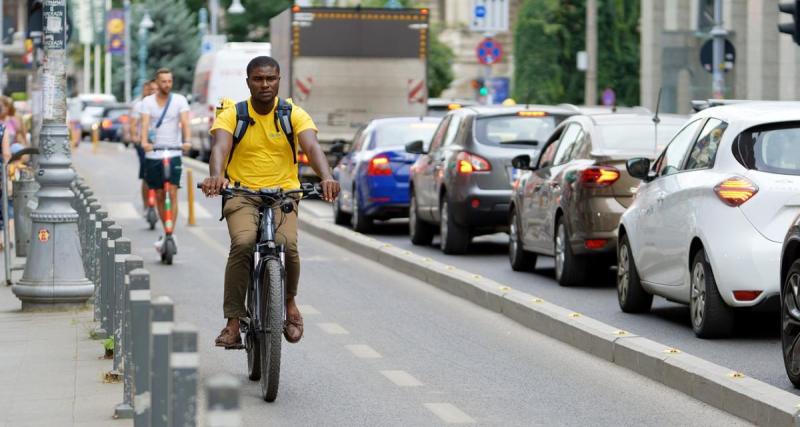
(440, 65)
(547, 37)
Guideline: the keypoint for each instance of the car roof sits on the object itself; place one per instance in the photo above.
(490, 110)
(411, 119)
(634, 118)
(752, 113)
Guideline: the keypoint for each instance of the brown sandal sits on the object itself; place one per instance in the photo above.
(293, 329)
(229, 339)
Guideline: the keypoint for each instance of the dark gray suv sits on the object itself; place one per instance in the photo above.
(461, 183)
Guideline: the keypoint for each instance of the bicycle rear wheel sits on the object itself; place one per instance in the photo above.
(270, 342)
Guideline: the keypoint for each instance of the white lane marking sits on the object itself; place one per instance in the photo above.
(122, 211)
(199, 211)
(449, 413)
(401, 378)
(333, 328)
(363, 351)
(307, 309)
(205, 237)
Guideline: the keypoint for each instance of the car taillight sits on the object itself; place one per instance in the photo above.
(468, 163)
(599, 176)
(735, 191)
(379, 166)
(746, 295)
(106, 124)
(123, 119)
(302, 158)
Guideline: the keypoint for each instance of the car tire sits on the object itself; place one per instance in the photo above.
(454, 237)
(360, 221)
(420, 232)
(711, 317)
(520, 259)
(570, 269)
(340, 217)
(631, 295)
(790, 324)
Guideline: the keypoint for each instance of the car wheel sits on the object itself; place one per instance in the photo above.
(631, 295)
(790, 324)
(361, 222)
(340, 217)
(454, 238)
(520, 259)
(711, 317)
(570, 268)
(420, 232)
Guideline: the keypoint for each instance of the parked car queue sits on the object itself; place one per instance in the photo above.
(695, 211)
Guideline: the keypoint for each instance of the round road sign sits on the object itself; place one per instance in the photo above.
(489, 51)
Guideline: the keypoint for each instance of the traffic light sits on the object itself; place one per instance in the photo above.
(793, 28)
(479, 85)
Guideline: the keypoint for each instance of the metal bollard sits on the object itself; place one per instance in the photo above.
(25, 202)
(222, 401)
(113, 233)
(88, 254)
(98, 262)
(99, 216)
(123, 264)
(183, 362)
(139, 295)
(162, 314)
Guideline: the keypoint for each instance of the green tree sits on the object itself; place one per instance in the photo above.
(440, 64)
(253, 25)
(547, 37)
(172, 43)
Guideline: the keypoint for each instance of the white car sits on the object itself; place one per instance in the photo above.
(708, 220)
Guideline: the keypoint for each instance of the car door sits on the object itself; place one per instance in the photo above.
(346, 169)
(683, 192)
(652, 230)
(424, 170)
(445, 162)
(531, 184)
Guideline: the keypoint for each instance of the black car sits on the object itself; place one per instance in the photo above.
(113, 122)
(461, 183)
(790, 303)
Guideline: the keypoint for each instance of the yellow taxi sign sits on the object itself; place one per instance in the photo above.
(453, 106)
(531, 114)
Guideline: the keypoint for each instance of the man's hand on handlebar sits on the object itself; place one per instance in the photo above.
(213, 185)
(330, 189)
(147, 147)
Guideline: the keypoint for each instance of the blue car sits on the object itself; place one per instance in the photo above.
(374, 173)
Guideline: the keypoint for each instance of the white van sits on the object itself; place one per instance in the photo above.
(219, 74)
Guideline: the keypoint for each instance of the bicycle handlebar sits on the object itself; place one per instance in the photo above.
(307, 190)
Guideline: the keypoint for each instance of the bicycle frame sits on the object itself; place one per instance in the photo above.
(266, 248)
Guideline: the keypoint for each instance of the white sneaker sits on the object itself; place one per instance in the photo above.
(159, 244)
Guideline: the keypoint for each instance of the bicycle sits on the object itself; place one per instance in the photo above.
(263, 328)
(168, 247)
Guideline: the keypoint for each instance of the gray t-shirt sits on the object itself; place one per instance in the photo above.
(168, 135)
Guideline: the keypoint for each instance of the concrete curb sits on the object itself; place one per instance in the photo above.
(715, 385)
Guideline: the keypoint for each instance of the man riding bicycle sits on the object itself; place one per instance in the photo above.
(165, 116)
(263, 158)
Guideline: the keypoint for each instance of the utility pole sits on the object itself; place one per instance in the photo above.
(590, 84)
(127, 6)
(107, 79)
(213, 9)
(54, 274)
(718, 67)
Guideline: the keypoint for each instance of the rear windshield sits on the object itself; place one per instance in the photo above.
(514, 130)
(393, 134)
(113, 114)
(637, 136)
(771, 148)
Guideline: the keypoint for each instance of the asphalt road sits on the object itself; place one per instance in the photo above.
(755, 348)
(381, 348)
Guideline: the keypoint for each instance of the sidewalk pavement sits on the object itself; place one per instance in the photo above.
(51, 372)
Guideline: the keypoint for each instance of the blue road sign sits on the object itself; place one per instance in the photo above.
(500, 89)
(480, 11)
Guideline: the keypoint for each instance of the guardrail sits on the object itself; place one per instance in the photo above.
(154, 357)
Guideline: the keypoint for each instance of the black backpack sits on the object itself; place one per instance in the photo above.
(283, 115)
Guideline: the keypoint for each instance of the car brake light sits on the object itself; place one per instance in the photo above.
(531, 114)
(599, 176)
(595, 243)
(302, 158)
(123, 119)
(469, 163)
(379, 166)
(106, 124)
(746, 295)
(736, 191)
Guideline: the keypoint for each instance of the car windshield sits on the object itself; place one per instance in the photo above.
(636, 137)
(114, 114)
(514, 130)
(397, 134)
(772, 148)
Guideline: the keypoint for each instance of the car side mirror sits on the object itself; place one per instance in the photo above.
(522, 162)
(639, 168)
(415, 147)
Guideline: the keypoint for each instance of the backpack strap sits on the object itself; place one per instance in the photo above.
(283, 115)
(243, 121)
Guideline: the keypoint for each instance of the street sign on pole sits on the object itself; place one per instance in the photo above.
(489, 51)
(212, 43)
(707, 56)
(115, 28)
(489, 16)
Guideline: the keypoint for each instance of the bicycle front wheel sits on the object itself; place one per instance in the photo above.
(270, 342)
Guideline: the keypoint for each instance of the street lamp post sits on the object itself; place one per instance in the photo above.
(144, 28)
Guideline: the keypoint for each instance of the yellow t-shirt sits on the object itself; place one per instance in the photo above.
(263, 158)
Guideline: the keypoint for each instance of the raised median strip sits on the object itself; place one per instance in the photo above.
(715, 385)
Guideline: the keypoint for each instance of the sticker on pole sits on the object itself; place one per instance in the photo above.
(489, 51)
(44, 235)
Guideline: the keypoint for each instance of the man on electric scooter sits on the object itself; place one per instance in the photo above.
(165, 116)
(262, 157)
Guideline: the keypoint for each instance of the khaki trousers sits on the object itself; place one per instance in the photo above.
(241, 214)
